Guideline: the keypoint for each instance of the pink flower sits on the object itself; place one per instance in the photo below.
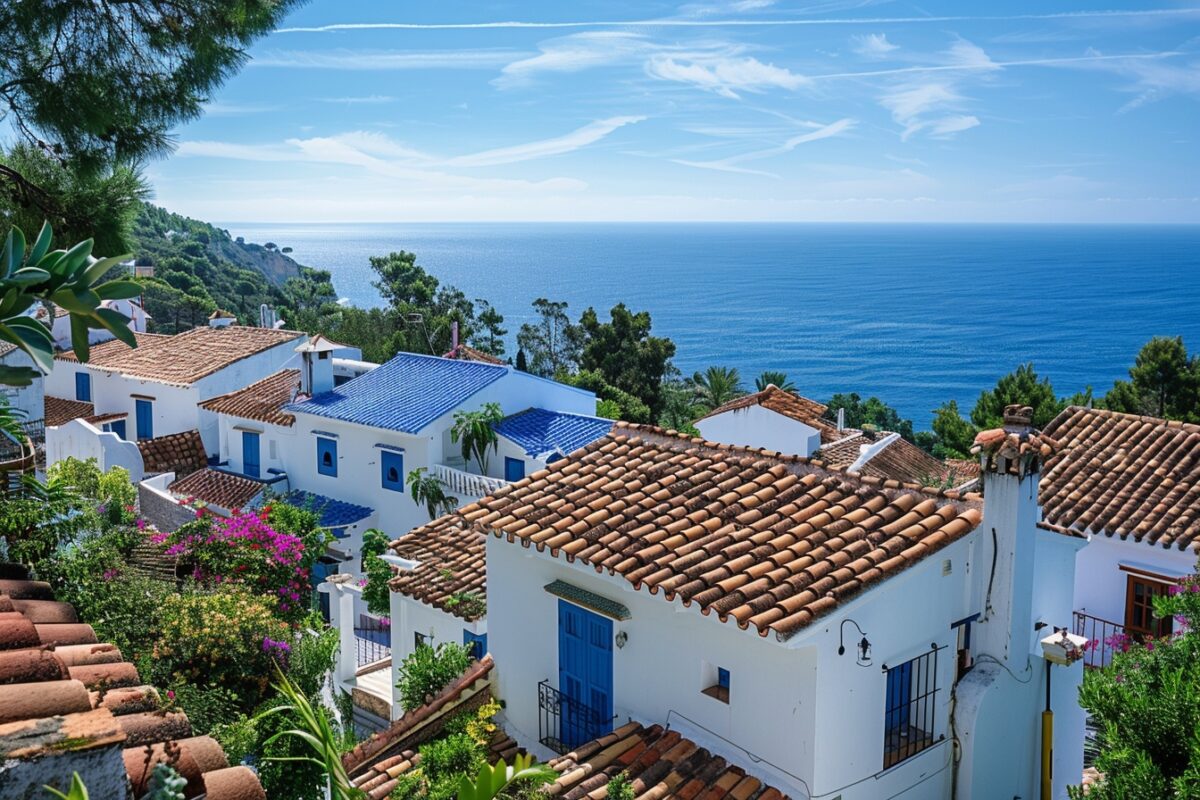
(170, 694)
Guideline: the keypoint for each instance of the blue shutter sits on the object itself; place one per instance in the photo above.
(391, 468)
(514, 469)
(83, 387)
(144, 411)
(117, 426)
(476, 643)
(250, 454)
(327, 456)
(585, 673)
(899, 697)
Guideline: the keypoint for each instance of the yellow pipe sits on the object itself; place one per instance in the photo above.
(1047, 754)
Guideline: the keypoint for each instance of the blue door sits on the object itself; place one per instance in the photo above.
(514, 469)
(250, 463)
(144, 411)
(585, 674)
(117, 426)
(83, 387)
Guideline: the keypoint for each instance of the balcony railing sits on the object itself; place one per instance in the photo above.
(1104, 638)
(565, 723)
(372, 639)
(464, 484)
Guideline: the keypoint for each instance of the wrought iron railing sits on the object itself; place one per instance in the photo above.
(565, 723)
(910, 718)
(464, 484)
(372, 640)
(1104, 638)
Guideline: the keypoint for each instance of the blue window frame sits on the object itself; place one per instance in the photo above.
(476, 643)
(144, 413)
(83, 387)
(391, 470)
(327, 457)
(723, 678)
(514, 469)
(117, 426)
(250, 454)
(420, 640)
(910, 708)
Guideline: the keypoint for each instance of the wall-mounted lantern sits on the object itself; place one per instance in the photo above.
(863, 649)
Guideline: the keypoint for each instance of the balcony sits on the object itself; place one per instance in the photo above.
(1104, 638)
(463, 484)
(565, 723)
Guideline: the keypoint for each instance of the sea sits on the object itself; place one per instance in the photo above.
(916, 314)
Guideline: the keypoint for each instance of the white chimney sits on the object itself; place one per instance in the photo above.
(221, 319)
(841, 418)
(316, 368)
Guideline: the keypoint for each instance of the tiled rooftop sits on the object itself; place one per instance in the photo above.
(901, 460)
(1124, 475)
(262, 401)
(789, 404)
(759, 538)
(452, 563)
(467, 353)
(181, 453)
(64, 692)
(218, 487)
(540, 432)
(660, 764)
(405, 393)
(60, 411)
(186, 357)
(333, 513)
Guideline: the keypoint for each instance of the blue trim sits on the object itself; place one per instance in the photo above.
(391, 470)
(476, 643)
(391, 447)
(585, 668)
(514, 469)
(251, 463)
(327, 456)
(723, 678)
(326, 434)
(144, 412)
(83, 387)
(117, 426)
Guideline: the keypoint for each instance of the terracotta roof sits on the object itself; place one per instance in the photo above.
(467, 353)
(900, 460)
(661, 765)
(62, 691)
(186, 357)
(181, 453)
(6, 348)
(218, 487)
(1124, 475)
(843, 452)
(451, 564)
(766, 540)
(260, 401)
(1017, 448)
(60, 411)
(778, 400)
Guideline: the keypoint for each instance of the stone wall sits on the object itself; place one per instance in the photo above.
(160, 510)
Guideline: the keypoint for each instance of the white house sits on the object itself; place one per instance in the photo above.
(60, 327)
(155, 389)
(27, 401)
(1131, 486)
(838, 637)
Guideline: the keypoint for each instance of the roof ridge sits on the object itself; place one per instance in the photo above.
(1191, 427)
(785, 459)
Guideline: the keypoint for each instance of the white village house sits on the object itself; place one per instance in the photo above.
(838, 637)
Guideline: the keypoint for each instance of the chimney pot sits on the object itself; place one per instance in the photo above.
(1018, 416)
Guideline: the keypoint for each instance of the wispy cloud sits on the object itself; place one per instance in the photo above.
(574, 53)
(218, 109)
(1150, 80)
(385, 59)
(581, 137)
(366, 100)
(731, 164)
(872, 45)
(725, 76)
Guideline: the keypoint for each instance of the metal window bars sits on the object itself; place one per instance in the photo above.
(910, 719)
(564, 723)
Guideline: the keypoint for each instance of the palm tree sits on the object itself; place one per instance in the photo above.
(476, 432)
(717, 386)
(429, 491)
(773, 377)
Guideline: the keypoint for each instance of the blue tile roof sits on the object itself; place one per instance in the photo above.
(333, 513)
(404, 394)
(540, 431)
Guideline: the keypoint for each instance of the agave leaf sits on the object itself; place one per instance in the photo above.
(117, 323)
(96, 271)
(15, 247)
(29, 276)
(17, 376)
(79, 338)
(119, 290)
(32, 337)
(42, 245)
(74, 259)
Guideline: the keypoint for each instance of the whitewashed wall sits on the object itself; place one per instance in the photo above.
(29, 400)
(82, 440)
(1100, 583)
(410, 616)
(760, 427)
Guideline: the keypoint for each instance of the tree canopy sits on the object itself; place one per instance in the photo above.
(624, 353)
(1164, 381)
(871, 411)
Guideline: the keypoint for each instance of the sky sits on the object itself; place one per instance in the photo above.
(742, 110)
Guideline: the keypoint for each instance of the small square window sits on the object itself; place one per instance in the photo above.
(327, 456)
(391, 467)
(420, 640)
(720, 689)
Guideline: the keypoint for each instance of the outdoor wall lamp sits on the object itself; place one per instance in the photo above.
(622, 638)
(863, 657)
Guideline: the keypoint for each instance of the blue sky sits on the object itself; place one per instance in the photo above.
(708, 110)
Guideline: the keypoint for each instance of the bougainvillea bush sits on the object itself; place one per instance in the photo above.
(1146, 709)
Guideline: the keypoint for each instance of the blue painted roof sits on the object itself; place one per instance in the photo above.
(404, 394)
(333, 513)
(540, 431)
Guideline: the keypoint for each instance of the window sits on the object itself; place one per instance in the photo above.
(391, 465)
(327, 456)
(720, 689)
(144, 414)
(420, 640)
(117, 426)
(1140, 621)
(514, 469)
(910, 708)
(83, 387)
(476, 643)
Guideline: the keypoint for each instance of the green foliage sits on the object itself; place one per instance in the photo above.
(871, 411)
(1022, 387)
(475, 432)
(427, 670)
(206, 705)
(312, 656)
(489, 332)
(1146, 707)
(1164, 382)
(552, 344)
(767, 378)
(499, 778)
(409, 785)
(624, 353)
(449, 758)
(428, 490)
(715, 387)
(165, 784)
(112, 491)
(954, 435)
(401, 281)
(238, 736)
(680, 410)
(78, 790)
(619, 786)
(52, 514)
(470, 604)
(611, 402)
(70, 279)
(378, 572)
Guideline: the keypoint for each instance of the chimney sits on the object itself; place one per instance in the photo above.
(454, 337)
(841, 423)
(316, 367)
(221, 319)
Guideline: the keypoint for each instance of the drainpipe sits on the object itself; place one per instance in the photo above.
(1047, 743)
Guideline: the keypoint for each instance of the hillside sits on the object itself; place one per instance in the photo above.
(199, 268)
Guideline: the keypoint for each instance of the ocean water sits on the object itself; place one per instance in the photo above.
(916, 314)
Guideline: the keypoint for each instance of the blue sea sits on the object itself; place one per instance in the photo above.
(916, 314)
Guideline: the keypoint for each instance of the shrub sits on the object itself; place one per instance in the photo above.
(115, 496)
(409, 786)
(238, 737)
(620, 788)
(295, 780)
(444, 762)
(427, 670)
(229, 638)
(312, 658)
(378, 572)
